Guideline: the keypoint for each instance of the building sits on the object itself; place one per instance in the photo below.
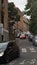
(3, 19)
(20, 25)
(4, 13)
(23, 24)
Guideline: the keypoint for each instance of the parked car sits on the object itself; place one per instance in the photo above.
(18, 35)
(22, 36)
(35, 40)
(8, 51)
(27, 34)
(30, 37)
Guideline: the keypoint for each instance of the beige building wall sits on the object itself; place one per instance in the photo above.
(4, 20)
(5, 11)
(6, 14)
(23, 26)
(0, 10)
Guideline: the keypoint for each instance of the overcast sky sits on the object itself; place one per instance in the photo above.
(19, 3)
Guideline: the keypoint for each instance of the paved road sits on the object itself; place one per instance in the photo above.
(28, 53)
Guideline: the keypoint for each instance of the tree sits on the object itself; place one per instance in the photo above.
(17, 18)
(13, 15)
(33, 23)
(32, 4)
(28, 6)
(12, 11)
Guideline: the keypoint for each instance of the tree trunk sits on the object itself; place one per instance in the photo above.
(11, 33)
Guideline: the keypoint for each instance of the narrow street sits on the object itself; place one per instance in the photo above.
(28, 53)
(18, 25)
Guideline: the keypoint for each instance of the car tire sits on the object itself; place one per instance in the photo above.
(8, 58)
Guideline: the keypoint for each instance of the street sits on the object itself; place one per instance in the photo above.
(18, 26)
(28, 53)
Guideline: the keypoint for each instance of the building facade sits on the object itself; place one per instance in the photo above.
(4, 20)
(23, 24)
(4, 13)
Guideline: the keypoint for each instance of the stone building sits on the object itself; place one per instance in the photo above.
(23, 24)
(4, 13)
(3, 19)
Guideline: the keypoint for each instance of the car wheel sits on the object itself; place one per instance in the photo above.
(9, 57)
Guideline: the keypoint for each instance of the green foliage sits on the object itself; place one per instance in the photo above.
(32, 4)
(12, 11)
(33, 27)
(33, 23)
(29, 5)
(17, 18)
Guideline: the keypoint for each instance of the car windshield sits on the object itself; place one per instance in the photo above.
(3, 46)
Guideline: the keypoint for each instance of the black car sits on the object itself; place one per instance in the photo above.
(8, 51)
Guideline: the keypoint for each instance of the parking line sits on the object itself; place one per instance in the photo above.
(12, 63)
(32, 50)
(24, 50)
(22, 62)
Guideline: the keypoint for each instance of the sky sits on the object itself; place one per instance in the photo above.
(19, 3)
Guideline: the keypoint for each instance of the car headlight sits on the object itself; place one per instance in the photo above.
(35, 40)
(1, 54)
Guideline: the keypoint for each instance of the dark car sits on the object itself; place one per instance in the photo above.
(22, 36)
(8, 51)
